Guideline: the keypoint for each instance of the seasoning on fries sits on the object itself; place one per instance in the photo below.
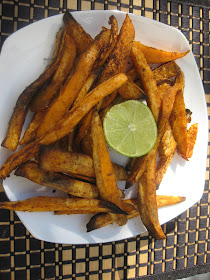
(65, 145)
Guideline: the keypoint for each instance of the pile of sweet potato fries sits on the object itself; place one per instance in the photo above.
(64, 145)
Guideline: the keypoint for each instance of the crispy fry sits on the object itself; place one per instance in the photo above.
(55, 160)
(166, 149)
(147, 203)
(167, 146)
(44, 203)
(131, 91)
(101, 219)
(21, 108)
(105, 177)
(86, 87)
(58, 181)
(19, 157)
(118, 60)
(30, 133)
(113, 39)
(81, 38)
(168, 143)
(191, 139)
(46, 94)
(163, 88)
(153, 55)
(60, 106)
(165, 72)
(179, 124)
(148, 81)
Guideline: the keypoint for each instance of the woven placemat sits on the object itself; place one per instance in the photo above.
(187, 245)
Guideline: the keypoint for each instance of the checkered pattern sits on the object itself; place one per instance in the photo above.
(187, 244)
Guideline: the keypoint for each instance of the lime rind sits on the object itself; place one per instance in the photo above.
(130, 128)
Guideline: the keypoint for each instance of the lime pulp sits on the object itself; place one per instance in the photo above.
(130, 128)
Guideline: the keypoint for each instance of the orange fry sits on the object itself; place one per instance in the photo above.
(105, 177)
(44, 203)
(191, 139)
(153, 55)
(178, 124)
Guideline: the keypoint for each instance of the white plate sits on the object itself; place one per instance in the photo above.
(24, 56)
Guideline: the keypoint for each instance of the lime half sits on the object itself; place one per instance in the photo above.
(130, 128)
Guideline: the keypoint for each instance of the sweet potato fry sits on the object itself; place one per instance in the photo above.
(83, 92)
(167, 146)
(166, 149)
(30, 133)
(191, 139)
(131, 91)
(105, 177)
(46, 94)
(58, 181)
(113, 39)
(44, 203)
(21, 108)
(81, 38)
(118, 59)
(55, 160)
(86, 87)
(102, 219)
(153, 55)
(168, 143)
(60, 106)
(178, 124)
(64, 126)
(147, 203)
(70, 212)
(165, 72)
(148, 81)
(19, 157)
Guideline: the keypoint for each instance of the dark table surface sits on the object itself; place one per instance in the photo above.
(186, 250)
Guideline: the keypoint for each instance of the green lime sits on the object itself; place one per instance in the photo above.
(130, 128)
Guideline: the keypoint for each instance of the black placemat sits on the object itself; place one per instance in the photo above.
(187, 247)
